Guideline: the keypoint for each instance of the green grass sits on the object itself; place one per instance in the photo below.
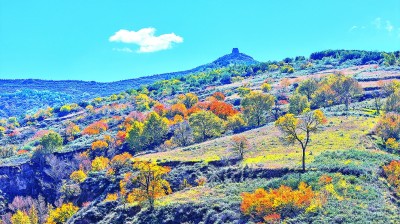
(266, 150)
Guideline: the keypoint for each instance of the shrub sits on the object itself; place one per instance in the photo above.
(287, 69)
(111, 197)
(99, 144)
(78, 176)
(50, 142)
(391, 143)
(95, 128)
(100, 163)
(392, 172)
(282, 202)
(388, 126)
(266, 87)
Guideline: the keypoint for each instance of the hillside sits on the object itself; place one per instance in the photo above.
(301, 140)
(56, 93)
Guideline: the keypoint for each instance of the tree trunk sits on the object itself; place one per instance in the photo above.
(304, 159)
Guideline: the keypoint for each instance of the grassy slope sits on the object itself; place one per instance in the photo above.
(266, 150)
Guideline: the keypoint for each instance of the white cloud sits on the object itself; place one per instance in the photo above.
(377, 22)
(146, 39)
(353, 28)
(389, 27)
(125, 49)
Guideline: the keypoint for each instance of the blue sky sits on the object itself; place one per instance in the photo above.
(115, 40)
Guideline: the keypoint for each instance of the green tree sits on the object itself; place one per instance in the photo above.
(299, 129)
(206, 124)
(155, 129)
(393, 102)
(307, 87)
(346, 88)
(298, 103)
(389, 59)
(142, 102)
(134, 134)
(189, 99)
(256, 106)
(51, 141)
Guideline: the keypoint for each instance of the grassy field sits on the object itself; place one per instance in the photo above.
(266, 150)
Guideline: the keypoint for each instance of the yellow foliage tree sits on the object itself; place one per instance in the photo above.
(299, 129)
(78, 176)
(20, 218)
(100, 163)
(151, 183)
(62, 214)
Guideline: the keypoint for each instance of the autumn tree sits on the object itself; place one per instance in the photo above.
(239, 144)
(143, 102)
(95, 128)
(389, 88)
(178, 109)
(100, 163)
(256, 106)
(188, 99)
(62, 214)
(20, 218)
(78, 176)
(120, 161)
(151, 182)
(222, 109)
(324, 96)
(206, 124)
(307, 88)
(49, 143)
(299, 129)
(72, 131)
(235, 122)
(388, 126)
(275, 204)
(99, 145)
(298, 103)
(392, 172)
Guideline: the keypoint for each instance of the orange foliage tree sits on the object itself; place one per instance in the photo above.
(95, 128)
(392, 172)
(388, 126)
(99, 144)
(178, 109)
(222, 109)
(121, 160)
(279, 203)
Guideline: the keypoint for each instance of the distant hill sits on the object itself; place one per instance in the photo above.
(36, 93)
